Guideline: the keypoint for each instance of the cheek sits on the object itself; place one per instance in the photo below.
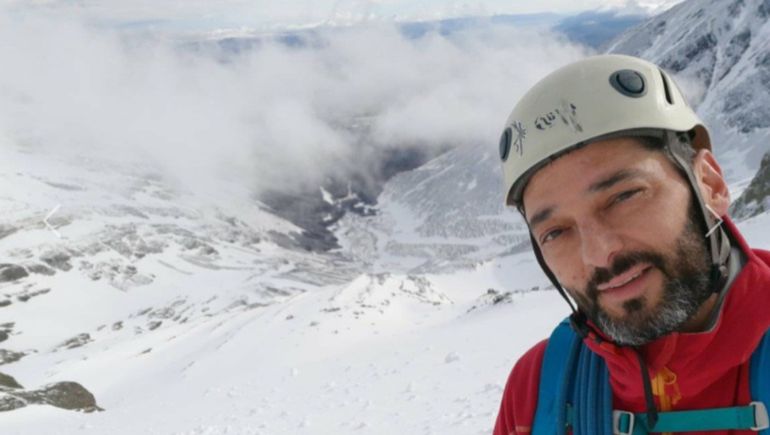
(570, 271)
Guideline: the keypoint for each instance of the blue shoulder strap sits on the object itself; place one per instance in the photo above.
(574, 388)
(759, 372)
(574, 391)
(555, 376)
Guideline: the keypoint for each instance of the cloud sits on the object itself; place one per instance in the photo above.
(275, 116)
(643, 7)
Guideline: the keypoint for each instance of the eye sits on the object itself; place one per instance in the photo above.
(551, 235)
(623, 196)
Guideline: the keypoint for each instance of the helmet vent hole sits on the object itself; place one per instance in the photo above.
(505, 143)
(629, 83)
(666, 87)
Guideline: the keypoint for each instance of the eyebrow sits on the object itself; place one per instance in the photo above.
(613, 179)
(603, 184)
(541, 216)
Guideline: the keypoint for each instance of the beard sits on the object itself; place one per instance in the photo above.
(686, 286)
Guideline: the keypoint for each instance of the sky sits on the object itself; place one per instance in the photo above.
(206, 15)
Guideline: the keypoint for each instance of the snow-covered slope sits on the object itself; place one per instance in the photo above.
(445, 215)
(718, 50)
(181, 315)
(97, 253)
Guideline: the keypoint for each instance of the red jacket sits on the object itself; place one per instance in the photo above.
(687, 370)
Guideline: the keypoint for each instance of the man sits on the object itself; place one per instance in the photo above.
(626, 205)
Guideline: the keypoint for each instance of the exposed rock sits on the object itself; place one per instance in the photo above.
(8, 381)
(57, 259)
(3, 336)
(41, 269)
(65, 395)
(27, 296)
(754, 199)
(76, 341)
(9, 356)
(9, 403)
(7, 230)
(12, 272)
(5, 303)
(493, 297)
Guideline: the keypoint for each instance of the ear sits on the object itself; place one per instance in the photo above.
(711, 182)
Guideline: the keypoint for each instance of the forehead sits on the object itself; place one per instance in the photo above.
(573, 174)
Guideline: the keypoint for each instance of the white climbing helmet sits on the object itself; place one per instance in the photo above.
(589, 100)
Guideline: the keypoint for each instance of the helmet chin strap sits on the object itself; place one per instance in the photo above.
(718, 241)
(578, 319)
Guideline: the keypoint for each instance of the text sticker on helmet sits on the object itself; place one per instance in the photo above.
(567, 113)
(518, 141)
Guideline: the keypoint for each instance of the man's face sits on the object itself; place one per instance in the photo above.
(617, 225)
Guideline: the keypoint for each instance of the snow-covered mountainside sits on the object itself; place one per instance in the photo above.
(185, 313)
(718, 50)
(755, 199)
(96, 253)
(445, 215)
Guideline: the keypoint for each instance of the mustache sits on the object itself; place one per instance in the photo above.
(622, 264)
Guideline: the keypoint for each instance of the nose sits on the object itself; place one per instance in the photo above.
(598, 243)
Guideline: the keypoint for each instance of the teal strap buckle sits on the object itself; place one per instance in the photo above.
(752, 417)
(623, 422)
(761, 419)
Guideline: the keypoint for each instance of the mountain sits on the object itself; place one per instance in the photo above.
(353, 186)
(596, 29)
(96, 252)
(442, 216)
(755, 199)
(169, 310)
(718, 51)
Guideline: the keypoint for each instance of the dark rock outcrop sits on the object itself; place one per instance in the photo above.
(65, 395)
(12, 272)
(76, 341)
(9, 356)
(41, 269)
(755, 199)
(57, 259)
(7, 381)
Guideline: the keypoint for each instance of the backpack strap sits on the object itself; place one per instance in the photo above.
(572, 374)
(759, 374)
(574, 391)
(751, 417)
(555, 376)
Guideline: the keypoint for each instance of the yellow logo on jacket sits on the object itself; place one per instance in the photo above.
(666, 389)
